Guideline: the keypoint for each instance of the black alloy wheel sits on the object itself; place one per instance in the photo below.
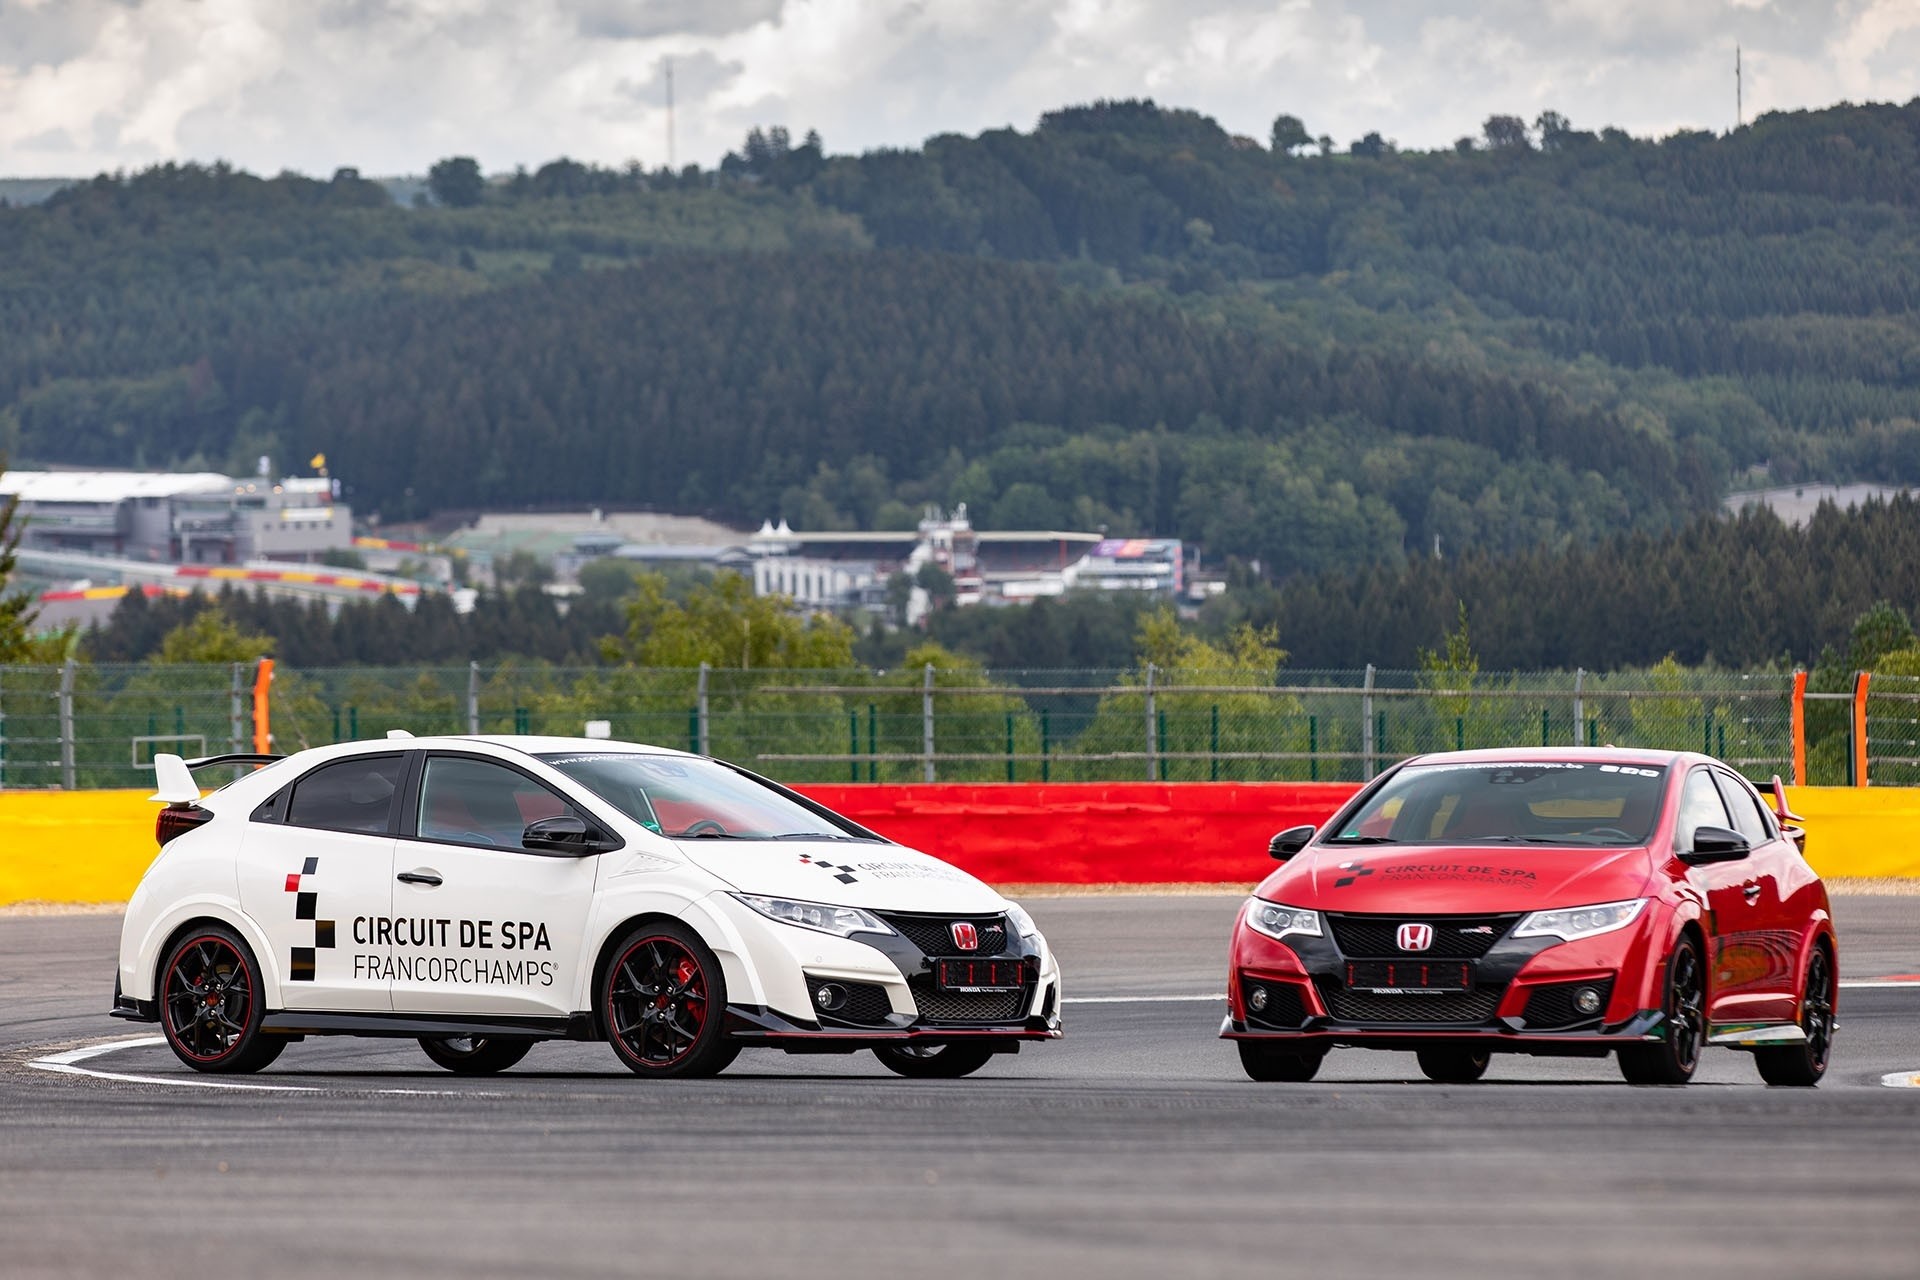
(1272, 1064)
(663, 1002)
(475, 1055)
(1448, 1064)
(1802, 1065)
(211, 1004)
(933, 1061)
(1673, 1058)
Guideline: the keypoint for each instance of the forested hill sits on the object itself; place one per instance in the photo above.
(1317, 357)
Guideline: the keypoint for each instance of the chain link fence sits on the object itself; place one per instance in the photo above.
(98, 726)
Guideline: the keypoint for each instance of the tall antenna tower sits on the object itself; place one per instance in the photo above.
(1739, 87)
(671, 165)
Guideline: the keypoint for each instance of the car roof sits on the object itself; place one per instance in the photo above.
(1561, 755)
(528, 744)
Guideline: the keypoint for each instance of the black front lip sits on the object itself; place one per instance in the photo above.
(1643, 1025)
(758, 1025)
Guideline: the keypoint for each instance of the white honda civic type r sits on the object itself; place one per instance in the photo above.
(482, 893)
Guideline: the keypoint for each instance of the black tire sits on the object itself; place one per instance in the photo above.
(1674, 1057)
(1272, 1064)
(212, 1002)
(663, 1002)
(933, 1061)
(475, 1055)
(1447, 1064)
(1802, 1065)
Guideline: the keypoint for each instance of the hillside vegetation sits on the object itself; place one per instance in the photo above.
(1124, 317)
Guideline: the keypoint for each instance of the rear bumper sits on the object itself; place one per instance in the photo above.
(1502, 1035)
(753, 1025)
(125, 1006)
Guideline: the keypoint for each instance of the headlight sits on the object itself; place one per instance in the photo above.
(841, 921)
(1570, 923)
(1022, 922)
(1277, 921)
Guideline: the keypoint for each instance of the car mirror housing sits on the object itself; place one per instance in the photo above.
(1716, 844)
(1289, 842)
(565, 834)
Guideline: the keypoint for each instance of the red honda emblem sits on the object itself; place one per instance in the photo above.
(965, 936)
(1414, 937)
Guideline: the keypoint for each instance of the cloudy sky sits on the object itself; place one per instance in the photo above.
(390, 86)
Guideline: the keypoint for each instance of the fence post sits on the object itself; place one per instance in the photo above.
(706, 719)
(1366, 727)
(873, 742)
(3, 736)
(263, 706)
(67, 778)
(1860, 682)
(1153, 736)
(1213, 746)
(236, 677)
(1579, 703)
(1046, 745)
(926, 723)
(1010, 770)
(473, 698)
(853, 746)
(1797, 725)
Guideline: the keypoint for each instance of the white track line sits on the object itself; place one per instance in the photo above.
(68, 1063)
(1879, 982)
(1902, 1080)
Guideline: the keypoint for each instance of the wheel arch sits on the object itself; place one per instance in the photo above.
(603, 956)
(161, 936)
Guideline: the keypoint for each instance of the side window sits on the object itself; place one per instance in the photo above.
(1700, 806)
(348, 795)
(1747, 818)
(464, 801)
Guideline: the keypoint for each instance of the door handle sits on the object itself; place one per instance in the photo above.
(418, 877)
(1752, 892)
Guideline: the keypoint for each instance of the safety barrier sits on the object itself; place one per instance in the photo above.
(92, 846)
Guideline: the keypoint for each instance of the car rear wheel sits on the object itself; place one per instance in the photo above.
(475, 1055)
(1446, 1065)
(933, 1061)
(1272, 1064)
(662, 1002)
(1673, 1058)
(1804, 1064)
(211, 1004)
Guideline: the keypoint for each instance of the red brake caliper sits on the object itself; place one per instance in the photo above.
(685, 975)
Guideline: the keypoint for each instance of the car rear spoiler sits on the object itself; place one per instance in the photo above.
(175, 775)
(1789, 820)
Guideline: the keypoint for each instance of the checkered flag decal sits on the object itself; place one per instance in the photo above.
(1354, 871)
(305, 905)
(843, 874)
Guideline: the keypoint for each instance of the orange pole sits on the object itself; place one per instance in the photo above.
(1798, 717)
(262, 706)
(1860, 682)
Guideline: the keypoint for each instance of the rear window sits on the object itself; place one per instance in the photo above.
(1520, 803)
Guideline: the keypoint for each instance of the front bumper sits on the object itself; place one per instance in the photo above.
(754, 1025)
(1505, 1035)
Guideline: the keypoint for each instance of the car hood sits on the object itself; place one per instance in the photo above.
(879, 877)
(1461, 879)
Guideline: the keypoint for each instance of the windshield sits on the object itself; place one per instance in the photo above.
(691, 798)
(1525, 803)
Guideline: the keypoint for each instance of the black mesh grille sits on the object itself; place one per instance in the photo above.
(1552, 1006)
(1454, 937)
(934, 934)
(867, 1004)
(1467, 1009)
(969, 1006)
(1286, 1004)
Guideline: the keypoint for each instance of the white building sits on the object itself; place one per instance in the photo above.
(191, 518)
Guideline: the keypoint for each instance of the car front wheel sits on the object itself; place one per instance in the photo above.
(475, 1055)
(933, 1061)
(1453, 1066)
(1804, 1064)
(1673, 1058)
(1271, 1064)
(211, 1004)
(662, 1003)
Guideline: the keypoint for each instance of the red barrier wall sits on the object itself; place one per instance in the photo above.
(1091, 832)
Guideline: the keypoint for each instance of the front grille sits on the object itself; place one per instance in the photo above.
(1373, 936)
(1467, 1009)
(934, 934)
(968, 1006)
(1552, 1006)
(867, 1004)
(1286, 1004)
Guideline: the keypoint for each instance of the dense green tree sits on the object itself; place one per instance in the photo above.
(456, 182)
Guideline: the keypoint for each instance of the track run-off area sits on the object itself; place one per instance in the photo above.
(1134, 1147)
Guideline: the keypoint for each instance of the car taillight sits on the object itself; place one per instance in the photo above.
(179, 819)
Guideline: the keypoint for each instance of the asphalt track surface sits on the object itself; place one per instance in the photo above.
(1135, 1147)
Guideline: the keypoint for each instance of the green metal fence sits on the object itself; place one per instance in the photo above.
(98, 726)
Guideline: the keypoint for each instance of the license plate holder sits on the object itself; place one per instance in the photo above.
(1410, 977)
(978, 975)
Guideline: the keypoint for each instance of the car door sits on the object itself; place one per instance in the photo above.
(1733, 894)
(506, 922)
(1777, 919)
(316, 873)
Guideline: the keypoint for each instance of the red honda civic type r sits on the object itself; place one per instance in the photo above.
(1576, 902)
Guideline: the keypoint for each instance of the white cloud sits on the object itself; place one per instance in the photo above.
(392, 85)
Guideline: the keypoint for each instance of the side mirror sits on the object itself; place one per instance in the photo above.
(1289, 842)
(1715, 844)
(565, 834)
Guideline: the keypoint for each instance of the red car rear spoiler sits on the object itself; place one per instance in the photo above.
(1789, 820)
